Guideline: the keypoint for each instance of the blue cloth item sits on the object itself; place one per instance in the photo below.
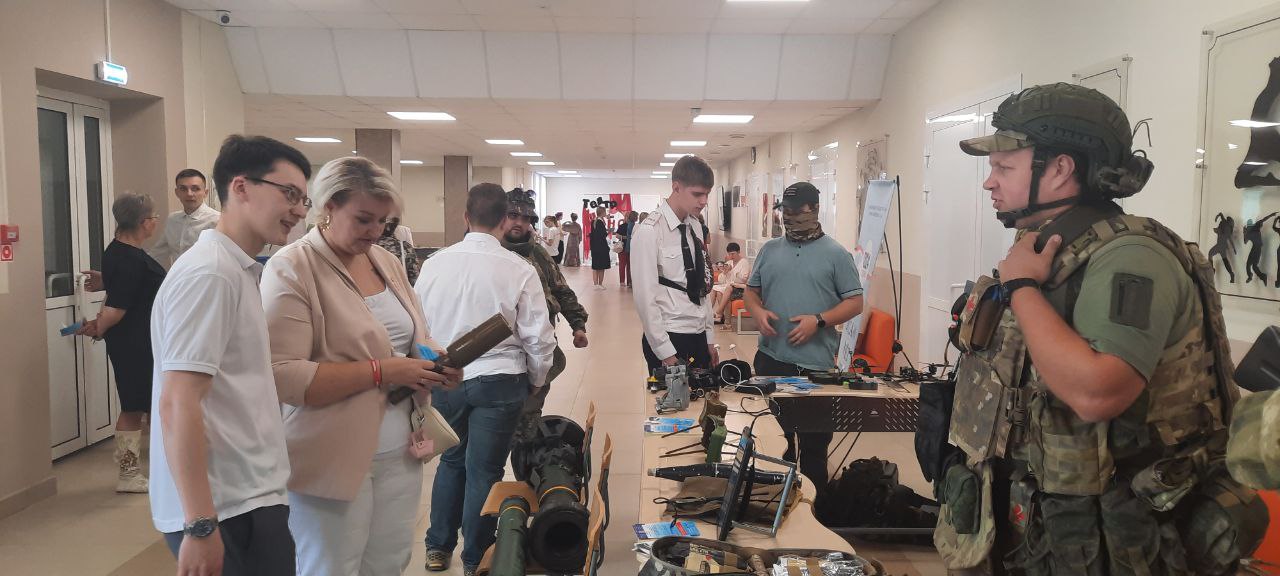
(483, 411)
(803, 280)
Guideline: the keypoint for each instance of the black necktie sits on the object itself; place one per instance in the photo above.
(694, 267)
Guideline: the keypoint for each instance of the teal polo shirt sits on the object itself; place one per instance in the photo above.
(803, 280)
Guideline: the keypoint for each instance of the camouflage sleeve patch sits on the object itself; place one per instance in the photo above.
(1131, 297)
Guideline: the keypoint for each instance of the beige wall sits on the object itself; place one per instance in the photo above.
(423, 191)
(56, 43)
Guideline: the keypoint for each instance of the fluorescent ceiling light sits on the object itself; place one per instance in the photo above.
(688, 143)
(1199, 150)
(722, 118)
(527, 154)
(832, 145)
(318, 140)
(766, 0)
(354, 152)
(673, 155)
(1231, 146)
(955, 118)
(412, 162)
(422, 115)
(1255, 163)
(506, 142)
(658, 176)
(567, 171)
(565, 175)
(666, 164)
(1253, 124)
(812, 157)
(542, 163)
(661, 172)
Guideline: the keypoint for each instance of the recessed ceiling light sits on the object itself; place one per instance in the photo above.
(1231, 146)
(1253, 124)
(506, 142)
(541, 163)
(411, 162)
(318, 140)
(567, 171)
(662, 172)
(722, 118)
(674, 155)
(832, 145)
(658, 176)
(354, 152)
(566, 175)
(527, 154)
(1255, 163)
(666, 164)
(688, 143)
(422, 115)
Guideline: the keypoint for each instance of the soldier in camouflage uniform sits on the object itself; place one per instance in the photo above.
(1253, 454)
(521, 218)
(1097, 365)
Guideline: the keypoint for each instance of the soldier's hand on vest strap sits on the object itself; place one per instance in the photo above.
(1024, 262)
(579, 338)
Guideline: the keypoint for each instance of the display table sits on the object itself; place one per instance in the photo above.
(799, 529)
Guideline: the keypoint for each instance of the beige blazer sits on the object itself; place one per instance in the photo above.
(316, 314)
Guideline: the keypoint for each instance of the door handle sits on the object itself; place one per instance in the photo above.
(48, 282)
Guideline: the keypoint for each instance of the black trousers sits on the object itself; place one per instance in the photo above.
(813, 445)
(687, 346)
(257, 542)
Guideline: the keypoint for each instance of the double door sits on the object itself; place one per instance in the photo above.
(74, 143)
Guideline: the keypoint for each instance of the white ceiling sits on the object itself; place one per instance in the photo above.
(600, 85)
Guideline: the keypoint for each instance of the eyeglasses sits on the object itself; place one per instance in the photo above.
(518, 216)
(291, 193)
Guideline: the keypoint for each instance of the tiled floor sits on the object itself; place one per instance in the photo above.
(88, 530)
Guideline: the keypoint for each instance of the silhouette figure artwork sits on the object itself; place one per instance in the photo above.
(1261, 164)
(1225, 247)
(1253, 235)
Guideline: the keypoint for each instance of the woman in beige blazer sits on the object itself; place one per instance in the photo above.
(344, 323)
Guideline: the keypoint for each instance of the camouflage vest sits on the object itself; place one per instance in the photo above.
(1187, 401)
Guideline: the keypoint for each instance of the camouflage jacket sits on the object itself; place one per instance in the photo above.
(560, 297)
(1253, 454)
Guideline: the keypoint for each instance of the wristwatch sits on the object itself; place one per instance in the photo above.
(201, 527)
(822, 322)
(1009, 287)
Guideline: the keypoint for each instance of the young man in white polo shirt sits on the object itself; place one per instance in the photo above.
(219, 465)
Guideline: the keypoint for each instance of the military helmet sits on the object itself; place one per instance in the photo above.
(521, 200)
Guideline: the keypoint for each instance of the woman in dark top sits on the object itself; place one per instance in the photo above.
(131, 279)
(599, 249)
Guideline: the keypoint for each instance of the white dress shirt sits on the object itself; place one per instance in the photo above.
(465, 284)
(181, 230)
(208, 319)
(656, 250)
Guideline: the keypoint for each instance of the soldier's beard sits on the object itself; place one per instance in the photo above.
(518, 239)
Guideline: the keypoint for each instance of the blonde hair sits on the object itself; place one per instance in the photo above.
(338, 180)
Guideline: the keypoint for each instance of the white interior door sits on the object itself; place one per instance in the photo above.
(74, 176)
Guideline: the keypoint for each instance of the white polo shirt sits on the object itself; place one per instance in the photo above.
(208, 318)
(181, 230)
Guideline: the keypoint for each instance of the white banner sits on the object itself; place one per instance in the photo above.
(875, 214)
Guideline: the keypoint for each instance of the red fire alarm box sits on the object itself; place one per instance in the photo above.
(8, 234)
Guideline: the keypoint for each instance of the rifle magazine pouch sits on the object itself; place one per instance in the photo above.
(967, 506)
(981, 315)
(932, 424)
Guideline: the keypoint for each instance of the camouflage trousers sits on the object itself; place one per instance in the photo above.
(531, 414)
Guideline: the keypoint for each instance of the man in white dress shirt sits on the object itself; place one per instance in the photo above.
(460, 287)
(671, 274)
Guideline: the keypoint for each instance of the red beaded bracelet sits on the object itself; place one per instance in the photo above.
(377, 373)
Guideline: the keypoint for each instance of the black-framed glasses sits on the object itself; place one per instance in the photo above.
(518, 215)
(291, 193)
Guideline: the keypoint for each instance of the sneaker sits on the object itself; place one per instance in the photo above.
(135, 483)
(470, 570)
(438, 560)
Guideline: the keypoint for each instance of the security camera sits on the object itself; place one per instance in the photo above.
(224, 17)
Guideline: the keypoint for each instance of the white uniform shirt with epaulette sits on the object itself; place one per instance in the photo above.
(656, 250)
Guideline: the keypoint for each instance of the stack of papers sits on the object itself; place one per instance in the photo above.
(663, 529)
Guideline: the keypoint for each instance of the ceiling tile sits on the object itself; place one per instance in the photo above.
(336, 5)
(523, 64)
(598, 8)
(886, 25)
(869, 62)
(422, 6)
(595, 24)
(264, 5)
(261, 19)
(749, 26)
(670, 67)
(374, 62)
(678, 8)
(505, 8)
(515, 23)
(846, 8)
(300, 61)
(357, 20)
(449, 64)
(743, 67)
(192, 4)
(829, 25)
(815, 67)
(436, 21)
(673, 25)
(909, 8)
(246, 58)
(596, 66)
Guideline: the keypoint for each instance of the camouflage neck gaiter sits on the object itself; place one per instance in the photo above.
(802, 227)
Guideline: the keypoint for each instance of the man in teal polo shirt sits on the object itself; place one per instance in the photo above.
(801, 287)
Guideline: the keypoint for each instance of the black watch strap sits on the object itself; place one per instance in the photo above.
(1008, 288)
(822, 322)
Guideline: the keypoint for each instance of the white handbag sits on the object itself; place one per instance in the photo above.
(431, 435)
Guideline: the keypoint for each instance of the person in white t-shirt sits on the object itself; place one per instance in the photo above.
(552, 237)
(219, 464)
(733, 282)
